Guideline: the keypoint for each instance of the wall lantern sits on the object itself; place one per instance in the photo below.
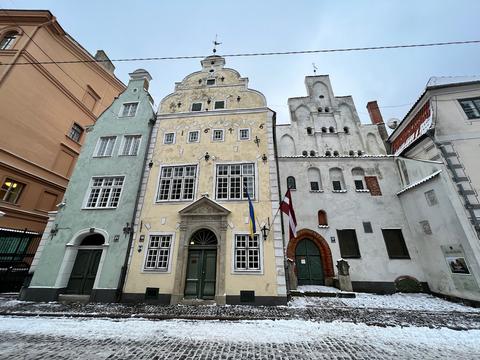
(238, 98)
(257, 141)
(207, 156)
(264, 158)
(150, 164)
(265, 230)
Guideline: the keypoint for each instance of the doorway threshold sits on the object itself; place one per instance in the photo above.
(198, 302)
(73, 298)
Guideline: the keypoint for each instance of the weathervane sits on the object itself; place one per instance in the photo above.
(314, 69)
(215, 43)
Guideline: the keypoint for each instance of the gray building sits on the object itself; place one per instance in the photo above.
(83, 251)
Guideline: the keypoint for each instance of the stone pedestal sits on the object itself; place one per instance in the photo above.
(291, 275)
(344, 281)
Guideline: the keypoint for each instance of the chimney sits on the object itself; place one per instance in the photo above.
(141, 74)
(377, 119)
(104, 61)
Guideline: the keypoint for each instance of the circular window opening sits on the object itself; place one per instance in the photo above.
(331, 129)
(304, 153)
(328, 153)
(335, 153)
(324, 129)
(312, 153)
(321, 96)
(135, 90)
(212, 70)
(320, 109)
(327, 109)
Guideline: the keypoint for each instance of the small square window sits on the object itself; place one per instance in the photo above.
(210, 81)
(11, 190)
(358, 184)
(367, 227)
(197, 107)
(75, 132)
(337, 185)
(244, 134)
(105, 146)
(169, 138)
(431, 197)
(193, 136)
(129, 109)
(314, 186)
(219, 104)
(217, 135)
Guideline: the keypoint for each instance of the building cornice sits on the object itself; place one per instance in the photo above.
(213, 113)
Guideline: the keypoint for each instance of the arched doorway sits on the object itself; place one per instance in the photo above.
(308, 263)
(201, 265)
(85, 268)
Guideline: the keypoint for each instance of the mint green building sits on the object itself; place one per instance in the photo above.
(83, 251)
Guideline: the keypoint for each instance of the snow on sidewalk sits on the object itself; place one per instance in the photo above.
(399, 301)
(259, 331)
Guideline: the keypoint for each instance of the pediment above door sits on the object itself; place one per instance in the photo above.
(204, 206)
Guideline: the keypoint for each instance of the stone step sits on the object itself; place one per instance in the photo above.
(197, 302)
(342, 294)
(73, 298)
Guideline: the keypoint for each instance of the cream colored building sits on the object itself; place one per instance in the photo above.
(213, 138)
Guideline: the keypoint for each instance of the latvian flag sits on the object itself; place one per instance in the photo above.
(287, 207)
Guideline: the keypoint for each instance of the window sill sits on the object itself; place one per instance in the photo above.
(173, 201)
(247, 272)
(102, 157)
(362, 190)
(316, 191)
(75, 141)
(323, 226)
(339, 191)
(399, 258)
(126, 155)
(156, 271)
(99, 208)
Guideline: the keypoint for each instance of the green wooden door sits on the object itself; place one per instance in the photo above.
(308, 263)
(201, 274)
(84, 272)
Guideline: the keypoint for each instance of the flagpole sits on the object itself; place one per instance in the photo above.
(274, 216)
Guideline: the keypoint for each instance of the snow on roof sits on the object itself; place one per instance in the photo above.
(335, 157)
(448, 80)
(431, 176)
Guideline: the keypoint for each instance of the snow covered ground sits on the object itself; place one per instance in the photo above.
(285, 339)
(398, 301)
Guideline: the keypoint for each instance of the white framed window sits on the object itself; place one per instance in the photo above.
(244, 134)
(158, 252)
(219, 104)
(11, 190)
(177, 183)
(217, 134)
(104, 192)
(169, 138)
(211, 82)
(131, 144)
(129, 109)
(234, 180)
(75, 132)
(105, 146)
(193, 136)
(197, 106)
(247, 253)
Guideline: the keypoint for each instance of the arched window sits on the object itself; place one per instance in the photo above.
(335, 153)
(327, 109)
(359, 152)
(314, 179)
(358, 178)
(305, 153)
(322, 218)
(93, 240)
(336, 178)
(320, 109)
(309, 131)
(351, 153)
(8, 40)
(331, 129)
(312, 152)
(328, 153)
(291, 183)
(324, 129)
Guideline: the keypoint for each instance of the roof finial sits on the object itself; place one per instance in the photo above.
(215, 43)
(314, 69)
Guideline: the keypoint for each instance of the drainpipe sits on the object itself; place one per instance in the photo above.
(123, 274)
(20, 51)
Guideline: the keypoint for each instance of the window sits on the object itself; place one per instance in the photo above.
(358, 175)
(193, 136)
(247, 253)
(309, 131)
(219, 105)
(158, 252)
(471, 107)
(105, 146)
(367, 227)
(105, 192)
(314, 179)
(197, 106)
(8, 40)
(129, 109)
(330, 129)
(373, 186)
(324, 129)
(11, 190)
(314, 186)
(233, 180)
(346, 130)
(431, 197)
(75, 132)
(131, 144)
(337, 185)
(244, 134)
(336, 177)
(395, 243)
(210, 81)
(347, 240)
(217, 135)
(322, 218)
(169, 138)
(358, 185)
(291, 183)
(177, 183)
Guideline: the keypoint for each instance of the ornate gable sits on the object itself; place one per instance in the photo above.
(204, 206)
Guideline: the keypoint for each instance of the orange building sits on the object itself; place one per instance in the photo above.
(45, 110)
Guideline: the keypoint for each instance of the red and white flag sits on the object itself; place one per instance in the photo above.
(287, 207)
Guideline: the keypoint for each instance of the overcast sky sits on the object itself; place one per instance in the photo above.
(142, 28)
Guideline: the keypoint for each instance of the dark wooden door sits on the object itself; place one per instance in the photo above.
(308, 263)
(84, 272)
(201, 274)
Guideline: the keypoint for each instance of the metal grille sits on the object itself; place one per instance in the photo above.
(203, 237)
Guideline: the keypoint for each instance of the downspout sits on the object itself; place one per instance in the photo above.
(20, 51)
(123, 274)
(275, 151)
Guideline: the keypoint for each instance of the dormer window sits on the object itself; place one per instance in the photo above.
(8, 40)
(210, 82)
(197, 106)
(219, 104)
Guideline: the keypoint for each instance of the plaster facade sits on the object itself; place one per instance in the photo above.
(246, 125)
(109, 214)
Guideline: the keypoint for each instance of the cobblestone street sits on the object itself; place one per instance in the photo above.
(48, 338)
